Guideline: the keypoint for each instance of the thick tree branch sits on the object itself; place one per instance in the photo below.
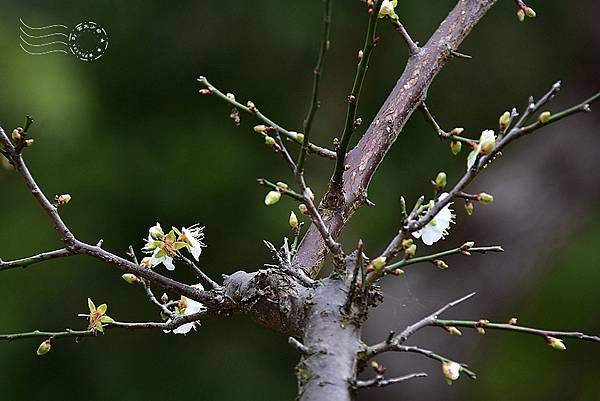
(407, 95)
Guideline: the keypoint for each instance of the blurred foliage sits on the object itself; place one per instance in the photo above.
(129, 137)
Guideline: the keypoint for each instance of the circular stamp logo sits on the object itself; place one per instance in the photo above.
(88, 41)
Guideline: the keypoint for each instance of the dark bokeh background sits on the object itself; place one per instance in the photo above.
(129, 137)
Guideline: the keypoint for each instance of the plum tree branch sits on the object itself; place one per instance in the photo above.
(41, 257)
(317, 72)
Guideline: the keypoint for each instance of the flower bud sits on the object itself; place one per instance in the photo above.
(16, 135)
(485, 198)
(164, 298)
(512, 321)
(282, 185)
(455, 147)
(302, 208)
(440, 264)
(397, 272)
(310, 193)
(360, 55)
(467, 245)
(487, 146)
(411, 251)
(440, 181)
(251, 106)
(530, 12)
(205, 92)
(556, 343)
(146, 262)
(520, 15)
(259, 129)
(63, 199)
(29, 142)
(298, 137)
(272, 198)
(379, 263)
(504, 120)
(407, 242)
(44, 347)
(480, 330)
(545, 117)
(453, 331)
(293, 220)
(451, 370)
(469, 207)
(230, 96)
(457, 131)
(130, 278)
(269, 140)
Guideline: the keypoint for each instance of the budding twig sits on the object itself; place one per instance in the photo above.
(41, 257)
(353, 98)
(317, 72)
(381, 381)
(326, 153)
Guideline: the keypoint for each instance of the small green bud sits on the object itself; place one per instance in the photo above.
(298, 137)
(282, 185)
(556, 343)
(63, 199)
(469, 207)
(44, 347)
(520, 15)
(485, 198)
(455, 147)
(269, 140)
(530, 12)
(545, 117)
(259, 129)
(379, 263)
(293, 220)
(488, 146)
(407, 242)
(504, 120)
(440, 181)
(410, 252)
(272, 198)
(130, 278)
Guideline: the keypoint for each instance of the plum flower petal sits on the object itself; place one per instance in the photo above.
(438, 227)
(487, 137)
(188, 307)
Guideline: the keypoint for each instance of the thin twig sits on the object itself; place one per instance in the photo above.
(41, 257)
(381, 381)
(353, 99)
(213, 285)
(413, 47)
(326, 153)
(510, 327)
(317, 72)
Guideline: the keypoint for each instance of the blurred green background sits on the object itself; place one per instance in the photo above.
(131, 140)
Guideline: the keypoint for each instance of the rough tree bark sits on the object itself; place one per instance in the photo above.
(408, 93)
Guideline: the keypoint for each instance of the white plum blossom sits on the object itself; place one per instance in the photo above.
(163, 248)
(451, 370)
(486, 144)
(192, 237)
(387, 9)
(438, 227)
(187, 307)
